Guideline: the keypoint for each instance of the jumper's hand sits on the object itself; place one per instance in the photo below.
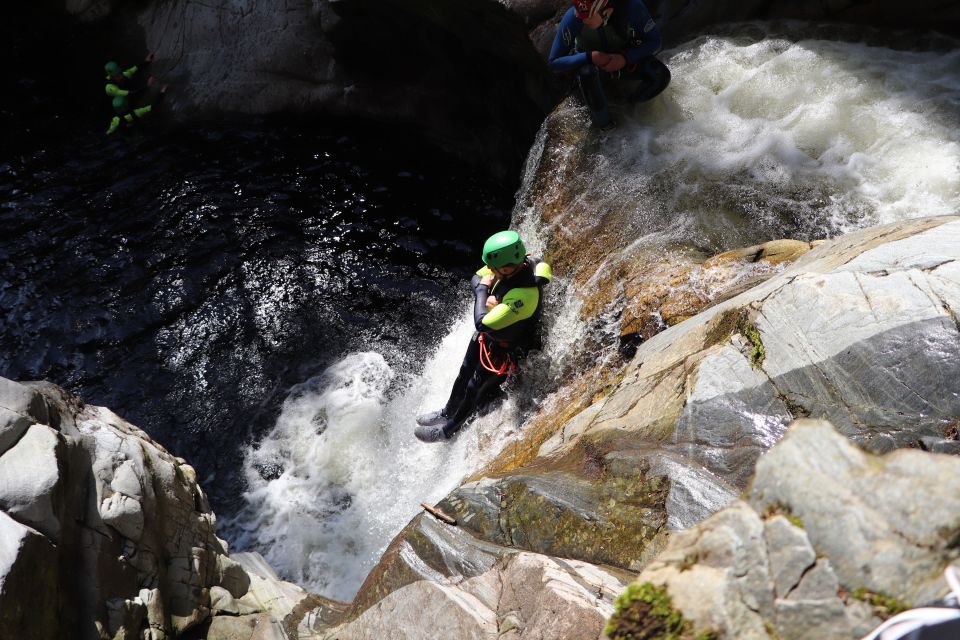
(615, 63)
(492, 302)
(487, 280)
(599, 58)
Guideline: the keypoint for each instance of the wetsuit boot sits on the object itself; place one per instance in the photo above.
(433, 418)
(436, 432)
(440, 417)
(480, 386)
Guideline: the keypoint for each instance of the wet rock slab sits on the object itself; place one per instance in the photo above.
(437, 580)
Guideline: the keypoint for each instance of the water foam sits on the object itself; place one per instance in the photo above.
(754, 140)
(341, 473)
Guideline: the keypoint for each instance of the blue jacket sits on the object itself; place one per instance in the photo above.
(630, 25)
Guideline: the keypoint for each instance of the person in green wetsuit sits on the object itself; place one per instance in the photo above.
(508, 304)
(129, 117)
(120, 81)
(121, 88)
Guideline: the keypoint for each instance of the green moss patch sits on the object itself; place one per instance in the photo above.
(736, 321)
(723, 326)
(884, 606)
(645, 612)
(782, 509)
(749, 331)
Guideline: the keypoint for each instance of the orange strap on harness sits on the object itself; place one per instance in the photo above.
(506, 367)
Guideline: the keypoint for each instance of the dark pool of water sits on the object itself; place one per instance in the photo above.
(186, 279)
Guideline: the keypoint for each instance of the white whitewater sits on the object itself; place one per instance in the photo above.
(341, 472)
(810, 138)
(815, 136)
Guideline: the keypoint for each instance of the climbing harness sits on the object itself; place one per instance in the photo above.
(505, 367)
(926, 623)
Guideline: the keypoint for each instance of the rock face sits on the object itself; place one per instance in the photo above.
(462, 74)
(466, 74)
(101, 528)
(826, 533)
(860, 331)
(439, 581)
(104, 534)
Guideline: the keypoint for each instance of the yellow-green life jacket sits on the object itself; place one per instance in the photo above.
(516, 318)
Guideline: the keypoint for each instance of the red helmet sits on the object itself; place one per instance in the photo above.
(588, 8)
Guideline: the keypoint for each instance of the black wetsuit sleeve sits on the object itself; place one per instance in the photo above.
(480, 292)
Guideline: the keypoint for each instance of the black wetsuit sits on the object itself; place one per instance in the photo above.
(509, 330)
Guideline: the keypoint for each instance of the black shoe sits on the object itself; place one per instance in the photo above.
(609, 126)
(436, 432)
(432, 419)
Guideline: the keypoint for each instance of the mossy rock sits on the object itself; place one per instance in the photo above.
(574, 508)
(645, 612)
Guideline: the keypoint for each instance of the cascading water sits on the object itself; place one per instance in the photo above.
(829, 135)
(341, 471)
(758, 137)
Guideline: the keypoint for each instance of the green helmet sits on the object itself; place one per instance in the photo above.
(503, 248)
(120, 104)
(112, 68)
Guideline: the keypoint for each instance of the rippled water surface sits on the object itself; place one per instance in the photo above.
(187, 279)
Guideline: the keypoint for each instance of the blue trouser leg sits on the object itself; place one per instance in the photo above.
(591, 88)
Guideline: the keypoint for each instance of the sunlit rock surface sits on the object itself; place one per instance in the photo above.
(101, 528)
(827, 532)
(858, 330)
(440, 581)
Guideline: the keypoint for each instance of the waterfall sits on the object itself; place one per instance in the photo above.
(754, 139)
